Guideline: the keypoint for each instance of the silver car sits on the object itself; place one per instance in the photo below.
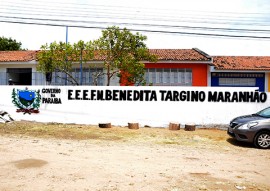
(253, 128)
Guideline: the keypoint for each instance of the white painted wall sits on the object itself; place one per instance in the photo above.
(33, 64)
(154, 113)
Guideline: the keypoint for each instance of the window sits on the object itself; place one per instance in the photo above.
(3, 78)
(96, 77)
(90, 76)
(237, 82)
(168, 76)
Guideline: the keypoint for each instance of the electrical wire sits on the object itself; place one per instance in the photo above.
(82, 15)
(144, 30)
(94, 14)
(148, 25)
(131, 14)
(64, 4)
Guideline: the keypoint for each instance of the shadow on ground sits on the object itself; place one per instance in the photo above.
(239, 143)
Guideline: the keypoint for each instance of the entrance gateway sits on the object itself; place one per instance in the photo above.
(19, 76)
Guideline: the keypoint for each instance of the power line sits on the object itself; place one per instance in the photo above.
(188, 20)
(148, 25)
(146, 30)
(134, 7)
(106, 15)
(129, 13)
(109, 15)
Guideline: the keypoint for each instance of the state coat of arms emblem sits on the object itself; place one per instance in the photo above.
(27, 101)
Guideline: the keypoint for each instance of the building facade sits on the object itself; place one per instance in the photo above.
(178, 67)
(174, 67)
(241, 71)
(20, 68)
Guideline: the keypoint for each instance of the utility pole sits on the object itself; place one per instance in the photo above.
(66, 55)
(66, 34)
(81, 70)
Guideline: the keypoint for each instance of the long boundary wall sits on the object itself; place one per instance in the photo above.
(153, 106)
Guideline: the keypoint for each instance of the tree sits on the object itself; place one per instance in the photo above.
(59, 57)
(122, 52)
(7, 44)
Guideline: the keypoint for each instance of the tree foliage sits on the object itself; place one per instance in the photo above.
(123, 52)
(9, 44)
(59, 57)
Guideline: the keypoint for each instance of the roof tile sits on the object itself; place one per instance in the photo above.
(162, 54)
(242, 62)
(180, 54)
(18, 56)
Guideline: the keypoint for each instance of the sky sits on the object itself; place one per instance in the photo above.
(231, 27)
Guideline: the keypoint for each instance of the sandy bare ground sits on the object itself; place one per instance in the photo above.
(33, 163)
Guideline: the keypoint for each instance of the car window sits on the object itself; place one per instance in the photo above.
(265, 112)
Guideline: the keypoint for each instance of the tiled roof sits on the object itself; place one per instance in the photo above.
(17, 56)
(241, 62)
(162, 54)
(180, 54)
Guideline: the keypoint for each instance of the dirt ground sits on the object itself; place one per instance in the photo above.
(76, 157)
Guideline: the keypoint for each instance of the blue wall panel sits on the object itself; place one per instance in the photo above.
(260, 79)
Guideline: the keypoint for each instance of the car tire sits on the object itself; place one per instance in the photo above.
(262, 140)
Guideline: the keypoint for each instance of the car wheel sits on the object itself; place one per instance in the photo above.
(262, 140)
